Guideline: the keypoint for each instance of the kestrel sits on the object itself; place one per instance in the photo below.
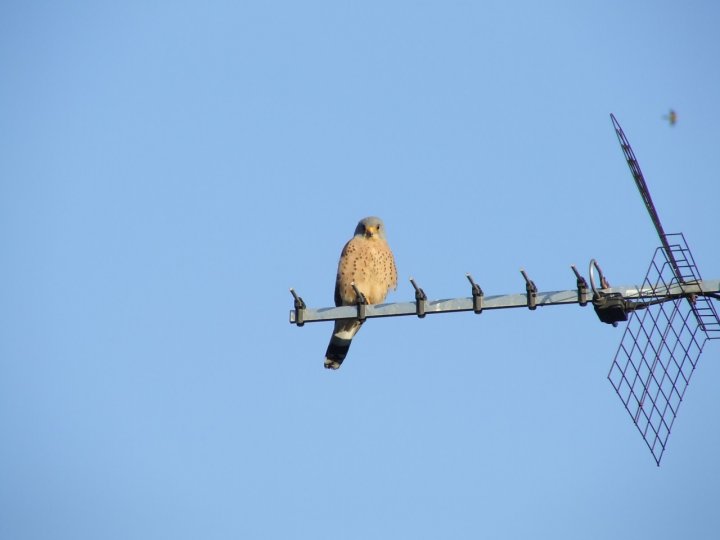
(367, 262)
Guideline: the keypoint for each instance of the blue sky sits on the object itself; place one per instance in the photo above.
(168, 170)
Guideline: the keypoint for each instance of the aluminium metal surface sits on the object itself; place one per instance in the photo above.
(551, 298)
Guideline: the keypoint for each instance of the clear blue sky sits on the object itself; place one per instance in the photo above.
(169, 169)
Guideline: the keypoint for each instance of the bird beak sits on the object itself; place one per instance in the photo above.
(370, 231)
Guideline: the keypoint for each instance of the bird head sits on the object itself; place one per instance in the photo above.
(370, 227)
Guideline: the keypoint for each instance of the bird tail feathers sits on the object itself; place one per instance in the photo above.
(340, 343)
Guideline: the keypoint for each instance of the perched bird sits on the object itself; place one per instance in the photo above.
(367, 262)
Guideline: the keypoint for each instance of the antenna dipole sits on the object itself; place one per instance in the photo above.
(645, 194)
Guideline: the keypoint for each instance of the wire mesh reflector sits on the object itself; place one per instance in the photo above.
(661, 347)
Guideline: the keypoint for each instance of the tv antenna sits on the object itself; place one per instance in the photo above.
(662, 345)
(669, 318)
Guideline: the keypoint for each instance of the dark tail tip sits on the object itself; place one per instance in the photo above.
(336, 352)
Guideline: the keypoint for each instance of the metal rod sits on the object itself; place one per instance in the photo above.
(531, 291)
(477, 295)
(645, 194)
(551, 298)
(582, 287)
(299, 308)
(420, 299)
